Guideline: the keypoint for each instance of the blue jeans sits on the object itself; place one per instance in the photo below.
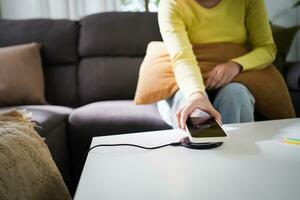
(234, 102)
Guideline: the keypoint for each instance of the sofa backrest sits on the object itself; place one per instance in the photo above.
(111, 48)
(94, 59)
(59, 39)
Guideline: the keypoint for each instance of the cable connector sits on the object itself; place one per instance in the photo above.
(175, 144)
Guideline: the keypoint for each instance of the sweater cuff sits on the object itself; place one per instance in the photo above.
(243, 62)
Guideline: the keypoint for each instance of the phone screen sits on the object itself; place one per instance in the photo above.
(205, 129)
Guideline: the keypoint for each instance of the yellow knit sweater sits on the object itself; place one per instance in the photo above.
(185, 22)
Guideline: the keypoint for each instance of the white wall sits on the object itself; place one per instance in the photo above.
(281, 13)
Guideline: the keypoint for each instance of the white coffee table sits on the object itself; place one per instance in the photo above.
(253, 164)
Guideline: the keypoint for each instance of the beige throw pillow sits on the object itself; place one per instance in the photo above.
(21, 75)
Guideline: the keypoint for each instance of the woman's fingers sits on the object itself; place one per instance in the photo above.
(185, 113)
(210, 79)
(215, 114)
(183, 118)
(216, 79)
(213, 78)
(224, 80)
(178, 116)
(230, 70)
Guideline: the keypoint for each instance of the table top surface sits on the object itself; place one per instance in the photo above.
(252, 164)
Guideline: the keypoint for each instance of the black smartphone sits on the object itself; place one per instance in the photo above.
(205, 130)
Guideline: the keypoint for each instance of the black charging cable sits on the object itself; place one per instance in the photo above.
(184, 142)
(174, 144)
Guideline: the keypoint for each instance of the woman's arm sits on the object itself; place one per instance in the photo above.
(260, 37)
(172, 26)
(185, 66)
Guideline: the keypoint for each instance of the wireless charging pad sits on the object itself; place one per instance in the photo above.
(185, 142)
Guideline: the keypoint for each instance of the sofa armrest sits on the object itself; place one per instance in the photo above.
(291, 74)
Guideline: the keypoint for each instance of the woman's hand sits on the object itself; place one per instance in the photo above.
(221, 75)
(196, 100)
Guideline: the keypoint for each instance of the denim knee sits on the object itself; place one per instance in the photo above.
(237, 94)
(235, 103)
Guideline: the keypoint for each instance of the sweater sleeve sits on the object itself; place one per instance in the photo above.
(173, 30)
(260, 37)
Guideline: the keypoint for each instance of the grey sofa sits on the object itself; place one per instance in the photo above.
(91, 69)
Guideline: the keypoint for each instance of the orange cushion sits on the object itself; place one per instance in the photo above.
(156, 78)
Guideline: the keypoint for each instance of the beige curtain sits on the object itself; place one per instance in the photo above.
(55, 9)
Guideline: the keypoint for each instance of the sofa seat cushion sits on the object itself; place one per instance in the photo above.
(107, 118)
(47, 117)
(115, 117)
